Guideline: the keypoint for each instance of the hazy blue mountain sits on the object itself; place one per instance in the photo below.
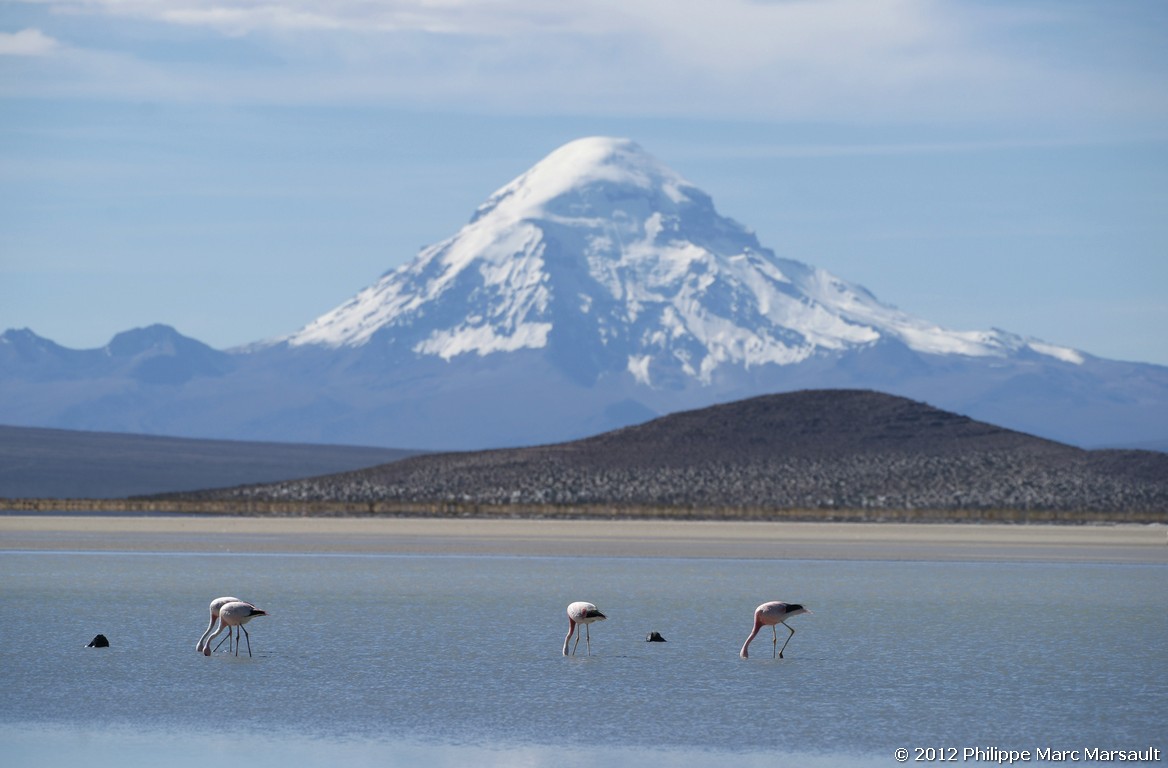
(596, 290)
(55, 463)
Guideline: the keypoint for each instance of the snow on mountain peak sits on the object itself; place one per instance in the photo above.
(576, 166)
(629, 265)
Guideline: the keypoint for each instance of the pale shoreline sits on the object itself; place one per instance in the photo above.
(1146, 544)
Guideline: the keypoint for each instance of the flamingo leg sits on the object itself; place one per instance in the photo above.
(577, 644)
(788, 626)
(775, 642)
(248, 638)
(225, 640)
(588, 639)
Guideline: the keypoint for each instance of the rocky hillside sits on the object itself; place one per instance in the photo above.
(824, 449)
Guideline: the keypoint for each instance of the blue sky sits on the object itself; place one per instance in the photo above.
(235, 168)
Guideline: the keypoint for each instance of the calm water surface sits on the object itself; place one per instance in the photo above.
(406, 660)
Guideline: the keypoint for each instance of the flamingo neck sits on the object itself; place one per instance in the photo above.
(567, 637)
(210, 626)
(753, 632)
(218, 631)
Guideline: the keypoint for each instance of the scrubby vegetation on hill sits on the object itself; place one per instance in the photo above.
(822, 449)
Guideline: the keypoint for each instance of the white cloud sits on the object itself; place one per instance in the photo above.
(804, 59)
(460, 17)
(27, 42)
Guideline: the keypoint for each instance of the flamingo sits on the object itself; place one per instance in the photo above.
(581, 613)
(235, 614)
(772, 614)
(216, 604)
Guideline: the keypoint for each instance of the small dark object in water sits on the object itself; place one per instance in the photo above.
(99, 642)
(654, 637)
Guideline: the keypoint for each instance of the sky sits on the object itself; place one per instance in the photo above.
(236, 168)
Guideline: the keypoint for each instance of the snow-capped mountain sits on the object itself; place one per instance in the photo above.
(595, 290)
(602, 249)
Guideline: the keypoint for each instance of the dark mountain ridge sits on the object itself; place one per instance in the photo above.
(816, 449)
(38, 463)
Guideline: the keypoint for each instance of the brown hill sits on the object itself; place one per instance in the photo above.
(821, 449)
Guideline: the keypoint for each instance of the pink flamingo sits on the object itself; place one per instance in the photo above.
(216, 604)
(772, 614)
(581, 613)
(235, 614)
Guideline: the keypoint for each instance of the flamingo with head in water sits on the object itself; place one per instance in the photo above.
(216, 604)
(581, 613)
(235, 614)
(772, 614)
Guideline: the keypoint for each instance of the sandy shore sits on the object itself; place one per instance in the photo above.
(559, 538)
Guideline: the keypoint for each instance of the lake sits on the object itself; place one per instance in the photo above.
(390, 659)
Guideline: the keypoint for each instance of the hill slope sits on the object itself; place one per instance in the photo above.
(843, 449)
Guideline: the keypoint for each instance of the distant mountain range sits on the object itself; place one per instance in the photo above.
(812, 450)
(54, 463)
(597, 290)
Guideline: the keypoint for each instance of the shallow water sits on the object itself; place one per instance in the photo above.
(405, 660)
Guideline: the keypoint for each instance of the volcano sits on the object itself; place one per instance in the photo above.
(596, 290)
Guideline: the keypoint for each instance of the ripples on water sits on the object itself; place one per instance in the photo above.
(399, 660)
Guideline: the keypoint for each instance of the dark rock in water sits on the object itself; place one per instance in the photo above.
(99, 642)
(654, 637)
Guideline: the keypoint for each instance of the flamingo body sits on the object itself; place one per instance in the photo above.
(585, 614)
(216, 605)
(770, 615)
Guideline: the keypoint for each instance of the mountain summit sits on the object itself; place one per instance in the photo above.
(610, 261)
(596, 290)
